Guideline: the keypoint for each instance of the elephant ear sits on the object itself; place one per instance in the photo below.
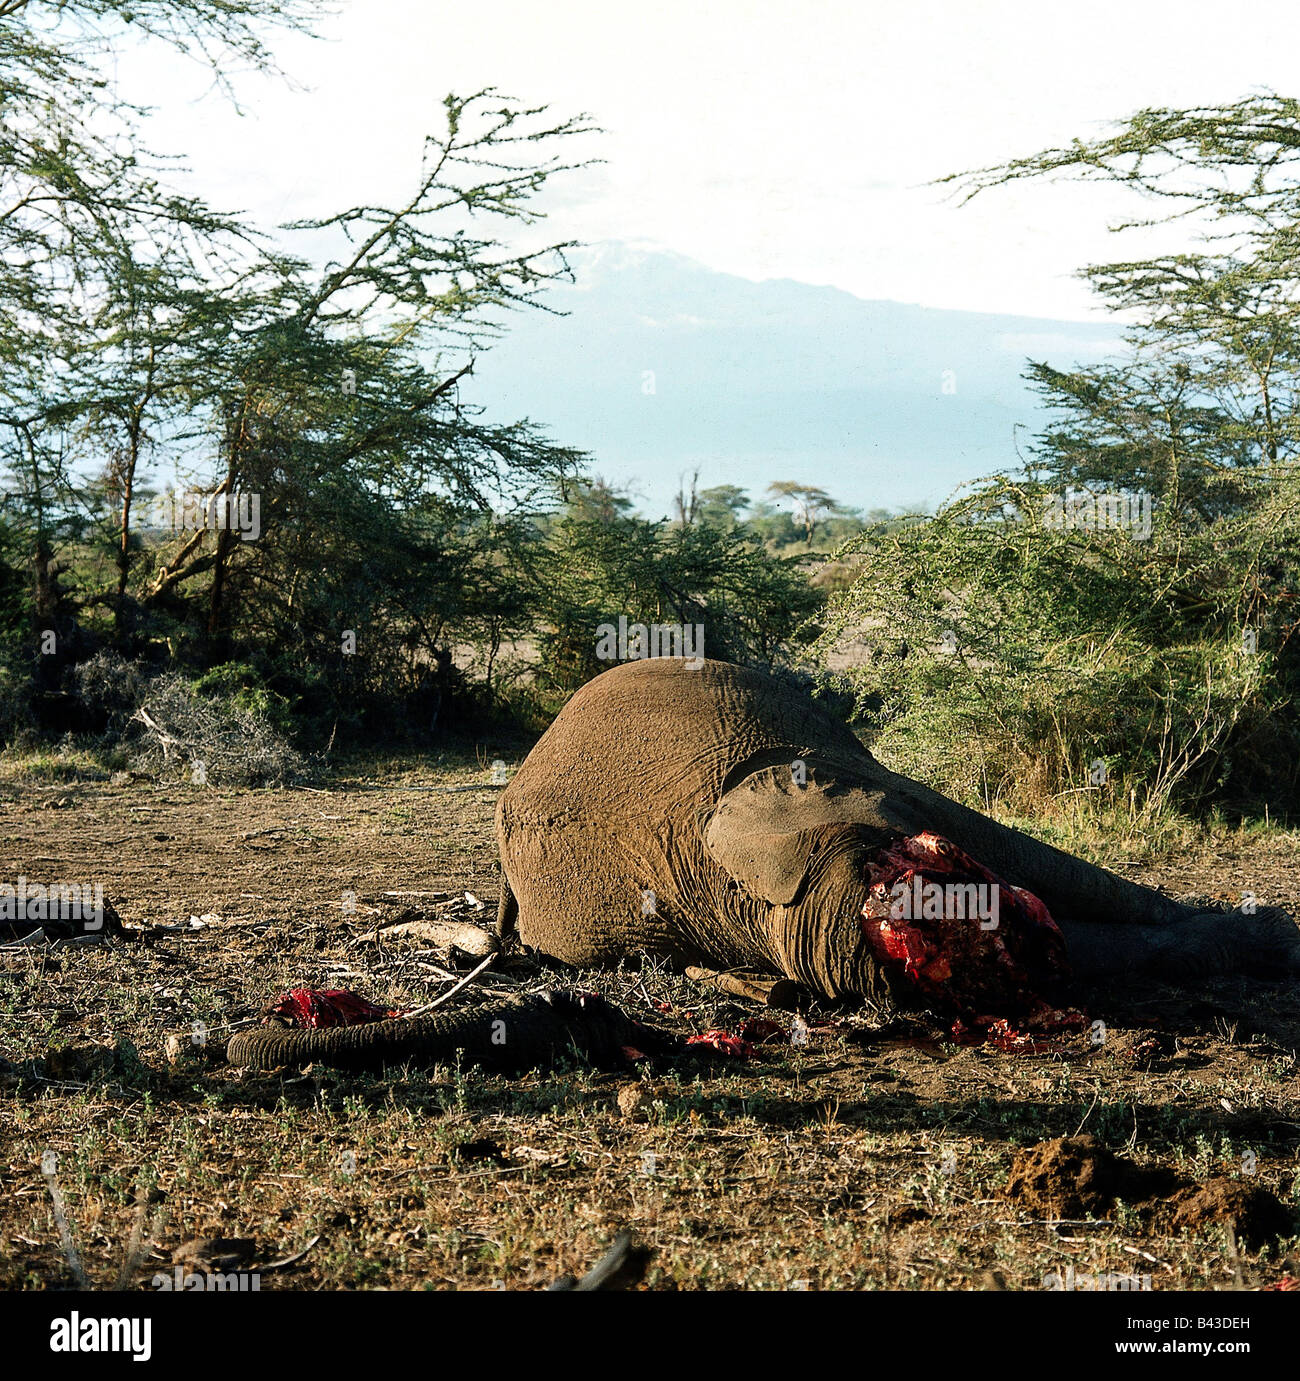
(766, 828)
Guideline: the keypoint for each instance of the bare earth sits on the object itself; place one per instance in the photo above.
(868, 1158)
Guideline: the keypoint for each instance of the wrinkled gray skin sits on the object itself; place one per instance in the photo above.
(663, 811)
(512, 1036)
(718, 817)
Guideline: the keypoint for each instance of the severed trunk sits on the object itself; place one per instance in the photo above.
(524, 1034)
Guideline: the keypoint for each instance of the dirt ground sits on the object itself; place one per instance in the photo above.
(876, 1155)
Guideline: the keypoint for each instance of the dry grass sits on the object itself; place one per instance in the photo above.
(871, 1158)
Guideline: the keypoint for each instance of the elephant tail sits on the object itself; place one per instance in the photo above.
(507, 911)
(529, 1032)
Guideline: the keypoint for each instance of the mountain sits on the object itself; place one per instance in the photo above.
(663, 366)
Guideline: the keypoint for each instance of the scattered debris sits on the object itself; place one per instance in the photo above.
(224, 1254)
(215, 1253)
(631, 1098)
(55, 934)
(536, 1156)
(173, 927)
(770, 992)
(41, 939)
(1147, 1050)
(451, 992)
(470, 939)
(288, 1260)
(739, 1044)
(1001, 1035)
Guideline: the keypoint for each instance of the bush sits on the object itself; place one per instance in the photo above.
(243, 687)
(1015, 661)
(751, 605)
(171, 726)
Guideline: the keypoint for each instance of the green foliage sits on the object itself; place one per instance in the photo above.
(228, 727)
(243, 686)
(1009, 655)
(15, 607)
(750, 604)
(154, 344)
(1016, 650)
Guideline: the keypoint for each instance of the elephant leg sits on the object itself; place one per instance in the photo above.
(1205, 944)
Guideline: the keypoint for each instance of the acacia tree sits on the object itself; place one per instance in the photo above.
(1216, 339)
(1171, 659)
(1206, 413)
(723, 504)
(82, 201)
(342, 387)
(86, 224)
(809, 501)
(140, 327)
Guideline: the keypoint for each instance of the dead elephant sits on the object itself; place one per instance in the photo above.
(717, 816)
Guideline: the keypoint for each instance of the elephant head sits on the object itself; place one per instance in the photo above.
(756, 823)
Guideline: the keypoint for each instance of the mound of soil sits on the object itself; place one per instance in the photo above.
(1255, 1213)
(1077, 1177)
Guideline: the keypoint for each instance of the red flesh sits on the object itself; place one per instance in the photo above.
(314, 1008)
(986, 980)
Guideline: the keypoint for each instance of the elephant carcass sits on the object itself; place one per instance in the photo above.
(717, 816)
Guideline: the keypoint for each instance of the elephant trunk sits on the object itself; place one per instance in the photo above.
(529, 1032)
(1071, 888)
(1113, 927)
(1263, 942)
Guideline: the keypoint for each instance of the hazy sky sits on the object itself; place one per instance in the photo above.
(764, 139)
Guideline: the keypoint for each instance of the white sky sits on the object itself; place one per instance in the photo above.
(767, 138)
